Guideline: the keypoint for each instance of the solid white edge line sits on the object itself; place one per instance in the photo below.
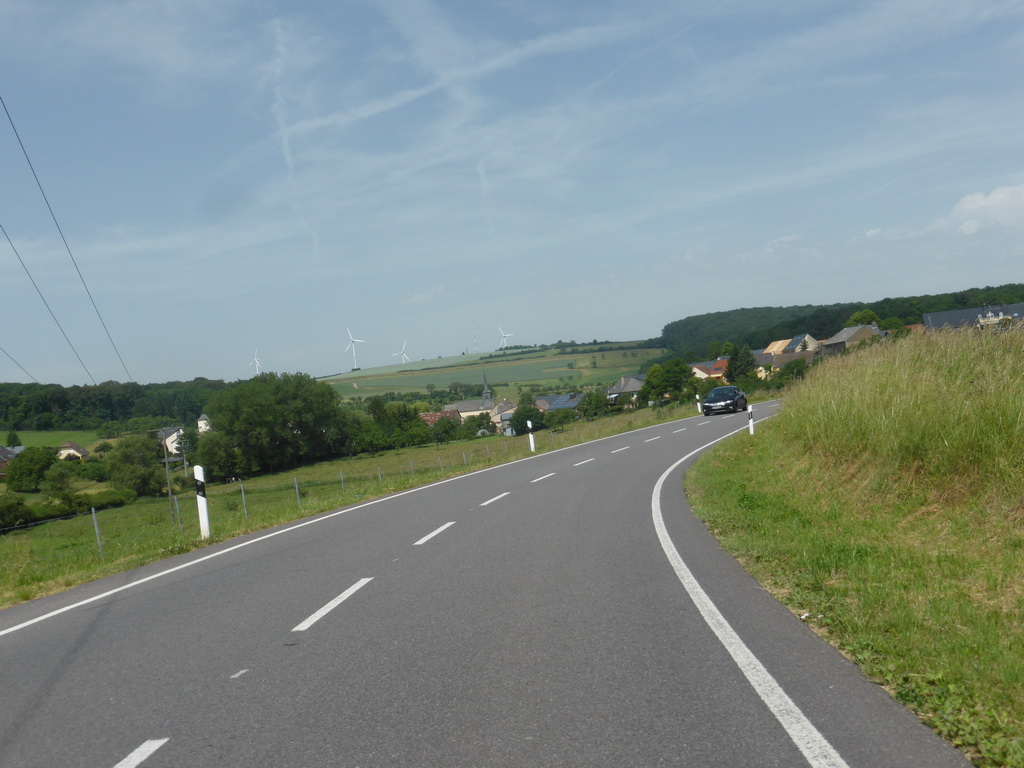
(543, 477)
(332, 605)
(140, 754)
(815, 748)
(319, 518)
(580, 464)
(499, 496)
(429, 536)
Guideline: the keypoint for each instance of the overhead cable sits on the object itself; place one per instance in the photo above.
(66, 246)
(19, 365)
(45, 303)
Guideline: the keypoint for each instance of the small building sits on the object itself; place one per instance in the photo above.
(203, 425)
(7, 455)
(430, 419)
(711, 369)
(72, 452)
(170, 437)
(850, 337)
(625, 389)
(978, 317)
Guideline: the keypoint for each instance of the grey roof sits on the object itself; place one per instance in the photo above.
(569, 400)
(848, 333)
(627, 384)
(958, 318)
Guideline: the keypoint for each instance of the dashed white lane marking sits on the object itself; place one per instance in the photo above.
(625, 448)
(499, 496)
(140, 754)
(581, 463)
(332, 605)
(652, 439)
(704, 422)
(815, 748)
(429, 536)
(677, 431)
(239, 673)
(543, 477)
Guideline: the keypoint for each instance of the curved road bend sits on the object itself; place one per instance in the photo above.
(564, 610)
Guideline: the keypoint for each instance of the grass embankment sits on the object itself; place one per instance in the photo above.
(60, 554)
(886, 502)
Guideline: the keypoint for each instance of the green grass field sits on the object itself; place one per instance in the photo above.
(59, 554)
(885, 502)
(55, 439)
(506, 373)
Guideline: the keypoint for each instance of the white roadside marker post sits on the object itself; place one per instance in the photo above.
(533, 446)
(750, 418)
(204, 515)
(699, 409)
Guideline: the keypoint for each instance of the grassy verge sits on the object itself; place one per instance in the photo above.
(60, 554)
(885, 504)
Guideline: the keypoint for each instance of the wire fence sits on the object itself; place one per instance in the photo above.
(44, 557)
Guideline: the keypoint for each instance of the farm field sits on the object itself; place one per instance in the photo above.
(590, 366)
(35, 439)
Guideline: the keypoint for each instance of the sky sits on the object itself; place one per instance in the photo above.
(260, 175)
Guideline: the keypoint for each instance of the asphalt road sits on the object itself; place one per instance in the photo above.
(564, 610)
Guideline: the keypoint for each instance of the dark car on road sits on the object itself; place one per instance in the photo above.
(724, 400)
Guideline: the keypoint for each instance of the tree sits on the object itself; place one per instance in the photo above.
(741, 364)
(557, 420)
(444, 430)
(13, 510)
(862, 317)
(593, 404)
(13, 441)
(523, 414)
(25, 472)
(134, 465)
(216, 455)
(280, 421)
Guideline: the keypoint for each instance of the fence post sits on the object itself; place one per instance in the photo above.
(245, 508)
(204, 514)
(440, 463)
(177, 507)
(380, 477)
(298, 498)
(464, 462)
(342, 482)
(96, 525)
(412, 469)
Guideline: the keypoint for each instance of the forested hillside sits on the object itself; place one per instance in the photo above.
(696, 337)
(51, 406)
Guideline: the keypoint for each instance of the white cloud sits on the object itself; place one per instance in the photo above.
(1003, 206)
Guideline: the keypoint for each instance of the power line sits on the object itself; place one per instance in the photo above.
(45, 303)
(19, 365)
(66, 246)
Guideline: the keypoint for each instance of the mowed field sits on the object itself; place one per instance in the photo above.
(583, 368)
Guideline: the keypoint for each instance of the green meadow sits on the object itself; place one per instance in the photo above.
(507, 373)
(54, 439)
(62, 553)
(885, 505)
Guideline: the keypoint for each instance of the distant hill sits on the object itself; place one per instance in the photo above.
(691, 337)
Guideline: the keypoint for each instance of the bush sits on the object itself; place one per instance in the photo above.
(13, 510)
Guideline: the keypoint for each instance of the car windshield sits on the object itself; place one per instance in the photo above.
(722, 393)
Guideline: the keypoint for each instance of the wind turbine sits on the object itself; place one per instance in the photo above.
(504, 338)
(256, 360)
(405, 357)
(352, 343)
